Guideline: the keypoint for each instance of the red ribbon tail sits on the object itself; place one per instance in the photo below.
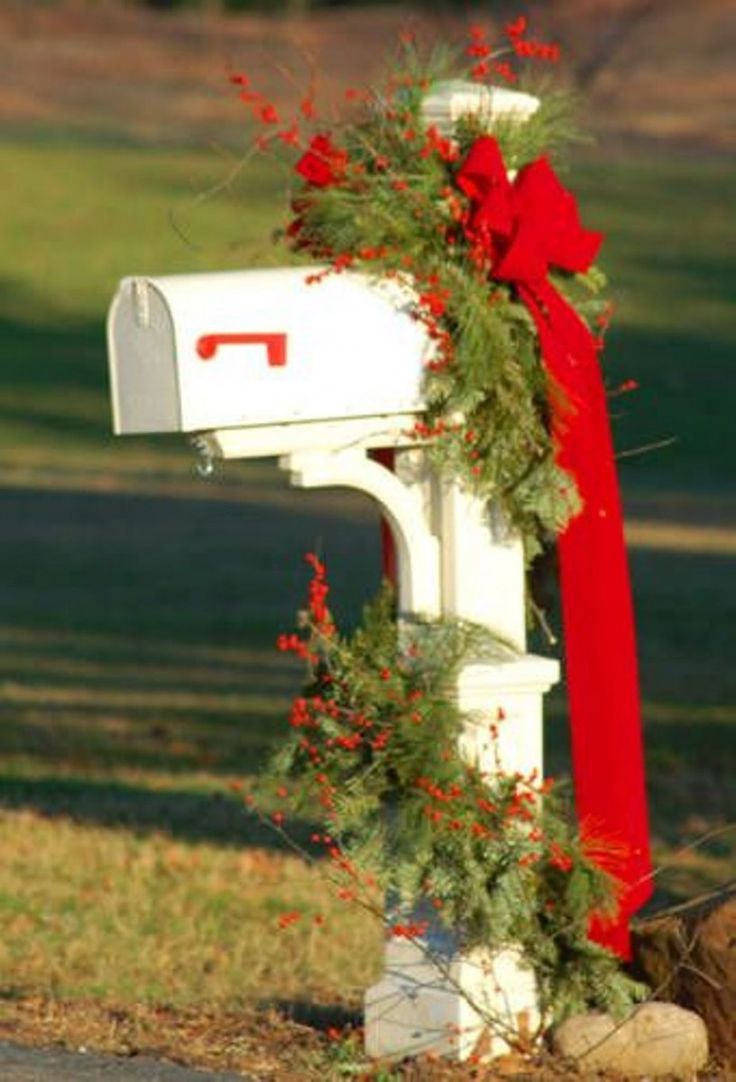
(601, 662)
(613, 934)
(527, 229)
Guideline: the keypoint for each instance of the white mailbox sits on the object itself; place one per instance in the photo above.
(197, 352)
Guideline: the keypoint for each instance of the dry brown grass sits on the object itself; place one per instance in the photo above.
(246, 1040)
(263, 1045)
(667, 76)
(92, 911)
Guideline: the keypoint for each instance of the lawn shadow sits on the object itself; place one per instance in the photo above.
(139, 631)
(50, 350)
(177, 570)
(319, 1016)
(136, 630)
(138, 638)
(687, 383)
(213, 817)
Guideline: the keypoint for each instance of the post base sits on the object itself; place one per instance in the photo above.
(471, 1005)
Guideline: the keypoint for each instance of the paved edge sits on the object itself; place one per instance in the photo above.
(19, 1063)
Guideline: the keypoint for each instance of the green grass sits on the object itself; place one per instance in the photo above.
(139, 604)
(670, 253)
(74, 221)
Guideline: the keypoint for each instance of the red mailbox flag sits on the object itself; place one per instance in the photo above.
(208, 344)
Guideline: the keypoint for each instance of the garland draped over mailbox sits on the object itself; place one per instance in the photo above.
(447, 186)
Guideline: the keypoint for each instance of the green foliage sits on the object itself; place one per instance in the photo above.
(391, 207)
(376, 753)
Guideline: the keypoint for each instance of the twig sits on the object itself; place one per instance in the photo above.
(658, 445)
(494, 1021)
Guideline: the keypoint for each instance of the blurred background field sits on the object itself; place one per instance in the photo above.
(140, 603)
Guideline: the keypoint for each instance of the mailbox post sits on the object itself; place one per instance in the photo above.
(432, 996)
(260, 363)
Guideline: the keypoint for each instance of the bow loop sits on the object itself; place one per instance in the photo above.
(483, 178)
(543, 200)
(523, 259)
(530, 224)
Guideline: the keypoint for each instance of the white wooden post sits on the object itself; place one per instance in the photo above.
(432, 996)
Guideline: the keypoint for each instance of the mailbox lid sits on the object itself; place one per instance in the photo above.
(142, 360)
(265, 346)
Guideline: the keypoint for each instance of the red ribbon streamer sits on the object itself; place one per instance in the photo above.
(524, 228)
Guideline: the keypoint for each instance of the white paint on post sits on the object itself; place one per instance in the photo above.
(482, 566)
(455, 1005)
(418, 550)
(433, 996)
(507, 694)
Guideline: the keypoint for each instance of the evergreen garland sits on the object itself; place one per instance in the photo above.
(375, 754)
(379, 195)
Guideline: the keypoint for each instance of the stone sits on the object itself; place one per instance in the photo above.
(656, 1039)
(687, 954)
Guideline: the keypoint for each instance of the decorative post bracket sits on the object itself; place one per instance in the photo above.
(418, 549)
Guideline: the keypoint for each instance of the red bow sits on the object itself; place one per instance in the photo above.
(524, 228)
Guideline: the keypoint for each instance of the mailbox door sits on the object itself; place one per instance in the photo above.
(144, 382)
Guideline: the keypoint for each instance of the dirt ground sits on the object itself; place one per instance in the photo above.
(263, 1045)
